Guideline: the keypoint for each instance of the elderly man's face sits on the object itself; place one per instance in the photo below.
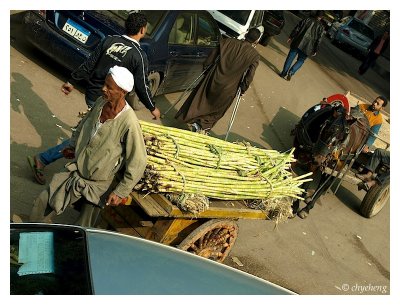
(111, 92)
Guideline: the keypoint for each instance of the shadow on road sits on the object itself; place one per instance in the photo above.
(277, 133)
(24, 100)
(270, 65)
(348, 198)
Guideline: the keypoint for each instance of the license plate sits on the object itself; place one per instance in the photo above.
(76, 31)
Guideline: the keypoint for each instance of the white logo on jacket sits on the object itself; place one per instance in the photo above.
(118, 47)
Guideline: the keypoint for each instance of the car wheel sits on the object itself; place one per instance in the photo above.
(133, 100)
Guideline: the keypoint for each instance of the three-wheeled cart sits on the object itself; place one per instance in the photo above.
(210, 234)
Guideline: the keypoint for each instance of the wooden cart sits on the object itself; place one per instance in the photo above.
(210, 234)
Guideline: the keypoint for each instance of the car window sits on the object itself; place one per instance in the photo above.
(48, 261)
(361, 28)
(239, 16)
(277, 13)
(206, 34)
(257, 19)
(182, 31)
(154, 18)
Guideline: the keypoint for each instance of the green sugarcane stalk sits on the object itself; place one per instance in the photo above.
(180, 153)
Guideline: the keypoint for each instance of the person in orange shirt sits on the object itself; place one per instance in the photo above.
(375, 119)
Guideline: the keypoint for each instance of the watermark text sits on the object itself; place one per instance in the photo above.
(362, 288)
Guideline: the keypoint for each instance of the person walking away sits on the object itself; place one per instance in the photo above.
(108, 141)
(237, 63)
(118, 50)
(304, 41)
(377, 47)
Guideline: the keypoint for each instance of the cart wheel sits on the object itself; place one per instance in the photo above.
(214, 239)
(375, 199)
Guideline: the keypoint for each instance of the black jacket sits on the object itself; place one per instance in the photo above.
(121, 51)
(307, 35)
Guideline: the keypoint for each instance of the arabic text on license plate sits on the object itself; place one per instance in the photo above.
(76, 31)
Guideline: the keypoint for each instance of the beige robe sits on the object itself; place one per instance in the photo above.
(117, 147)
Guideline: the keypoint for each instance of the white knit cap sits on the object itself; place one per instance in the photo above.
(122, 77)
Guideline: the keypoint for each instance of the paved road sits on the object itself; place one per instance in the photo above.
(332, 248)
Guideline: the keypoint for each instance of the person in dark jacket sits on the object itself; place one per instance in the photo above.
(304, 41)
(377, 47)
(208, 102)
(117, 50)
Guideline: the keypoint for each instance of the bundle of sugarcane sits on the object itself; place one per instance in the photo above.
(181, 161)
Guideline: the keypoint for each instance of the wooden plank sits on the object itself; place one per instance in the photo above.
(156, 205)
(102, 223)
(170, 231)
(164, 203)
(149, 205)
(117, 222)
(218, 212)
(132, 218)
(217, 209)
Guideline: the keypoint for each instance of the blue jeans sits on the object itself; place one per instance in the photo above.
(53, 153)
(301, 57)
(379, 156)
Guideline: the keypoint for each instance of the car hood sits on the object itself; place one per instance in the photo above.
(144, 267)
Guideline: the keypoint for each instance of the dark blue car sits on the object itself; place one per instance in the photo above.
(176, 43)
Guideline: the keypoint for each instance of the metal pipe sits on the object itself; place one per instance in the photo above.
(234, 112)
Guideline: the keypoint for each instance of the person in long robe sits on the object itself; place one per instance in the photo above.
(231, 65)
(108, 152)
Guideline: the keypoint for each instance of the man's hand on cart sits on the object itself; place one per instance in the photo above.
(114, 200)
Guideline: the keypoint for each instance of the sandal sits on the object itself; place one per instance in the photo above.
(37, 172)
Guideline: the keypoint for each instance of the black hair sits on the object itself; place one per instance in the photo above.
(384, 99)
(253, 35)
(134, 23)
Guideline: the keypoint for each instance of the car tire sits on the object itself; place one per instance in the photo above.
(265, 39)
(375, 199)
(133, 100)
